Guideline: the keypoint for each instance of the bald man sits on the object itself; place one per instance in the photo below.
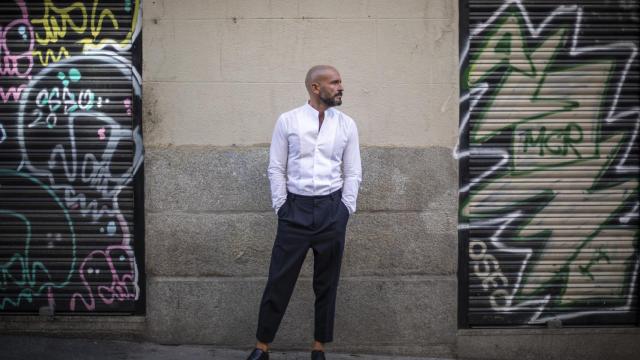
(315, 173)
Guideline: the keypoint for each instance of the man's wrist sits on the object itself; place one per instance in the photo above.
(346, 204)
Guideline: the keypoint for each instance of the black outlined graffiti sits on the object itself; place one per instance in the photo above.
(551, 206)
(69, 157)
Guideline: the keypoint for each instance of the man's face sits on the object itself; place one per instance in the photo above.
(330, 88)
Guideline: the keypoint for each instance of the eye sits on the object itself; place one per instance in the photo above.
(17, 39)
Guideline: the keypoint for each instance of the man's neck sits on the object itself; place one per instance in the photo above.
(319, 106)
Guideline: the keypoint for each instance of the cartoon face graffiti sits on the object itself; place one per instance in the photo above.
(107, 276)
(16, 46)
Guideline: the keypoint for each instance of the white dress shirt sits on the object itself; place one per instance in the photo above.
(306, 161)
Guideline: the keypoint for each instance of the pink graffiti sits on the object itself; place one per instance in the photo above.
(51, 299)
(101, 133)
(127, 105)
(117, 263)
(18, 65)
(12, 92)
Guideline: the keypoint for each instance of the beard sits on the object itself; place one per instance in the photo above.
(331, 100)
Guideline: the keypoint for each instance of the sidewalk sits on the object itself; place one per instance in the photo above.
(36, 348)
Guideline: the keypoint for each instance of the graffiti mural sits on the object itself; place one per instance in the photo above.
(70, 148)
(549, 155)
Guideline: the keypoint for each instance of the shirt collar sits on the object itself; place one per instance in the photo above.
(313, 112)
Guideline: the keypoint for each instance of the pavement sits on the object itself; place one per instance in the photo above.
(55, 348)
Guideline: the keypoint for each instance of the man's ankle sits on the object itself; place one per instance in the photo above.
(317, 346)
(262, 346)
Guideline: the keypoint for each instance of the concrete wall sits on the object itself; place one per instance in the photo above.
(231, 67)
(216, 76)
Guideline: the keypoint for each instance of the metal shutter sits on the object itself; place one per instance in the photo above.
(70, 148)
(549, 162)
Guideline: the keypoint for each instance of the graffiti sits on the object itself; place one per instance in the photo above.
(53, 100)
(70, 151)
(551, 204)
(30, 271)
(12, 93)
(90, 29)
(16, 60)
(569, 137)
(3, 133)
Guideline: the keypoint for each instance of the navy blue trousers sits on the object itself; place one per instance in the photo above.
(305, 222)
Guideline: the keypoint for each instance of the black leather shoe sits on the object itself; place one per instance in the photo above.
(258, 354)
(317, 355)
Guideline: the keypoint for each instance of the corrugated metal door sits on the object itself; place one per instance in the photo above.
(70, 149)
(549, 162)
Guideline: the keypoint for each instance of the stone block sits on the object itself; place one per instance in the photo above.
(443, 41)
(219, 244)
(182, 50)
(397, 243)
(403, 51)
(194, 9)
(408, 9)
(408, 179)
(409, 114)
(333, 9)
(214, 113)
(196, 179)
(262, 9)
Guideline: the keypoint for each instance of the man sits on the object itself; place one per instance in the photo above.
(315, 173)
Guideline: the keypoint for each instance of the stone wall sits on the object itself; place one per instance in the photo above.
(216, 76)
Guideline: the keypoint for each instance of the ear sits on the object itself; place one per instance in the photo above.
(315, 88)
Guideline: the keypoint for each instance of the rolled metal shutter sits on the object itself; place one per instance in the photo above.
(70, 150)
(549, 162)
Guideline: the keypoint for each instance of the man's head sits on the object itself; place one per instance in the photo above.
(324, 85)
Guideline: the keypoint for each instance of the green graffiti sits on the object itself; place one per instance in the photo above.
(30, 275)
(600, 254)
(74, 74)
(557, 162)
(565, 139)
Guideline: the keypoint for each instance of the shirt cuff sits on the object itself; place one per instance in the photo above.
(277, 207)
(349, 207)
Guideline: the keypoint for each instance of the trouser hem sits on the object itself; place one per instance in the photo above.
(265, 340)
(323, 340)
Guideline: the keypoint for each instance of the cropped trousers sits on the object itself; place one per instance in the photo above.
(305, 222)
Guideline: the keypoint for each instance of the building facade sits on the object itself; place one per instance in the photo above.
(497, 216)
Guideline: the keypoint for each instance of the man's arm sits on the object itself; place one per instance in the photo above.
(277, 171)
(352, 170)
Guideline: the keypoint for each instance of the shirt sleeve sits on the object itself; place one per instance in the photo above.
(352, 170)
(277, 170)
